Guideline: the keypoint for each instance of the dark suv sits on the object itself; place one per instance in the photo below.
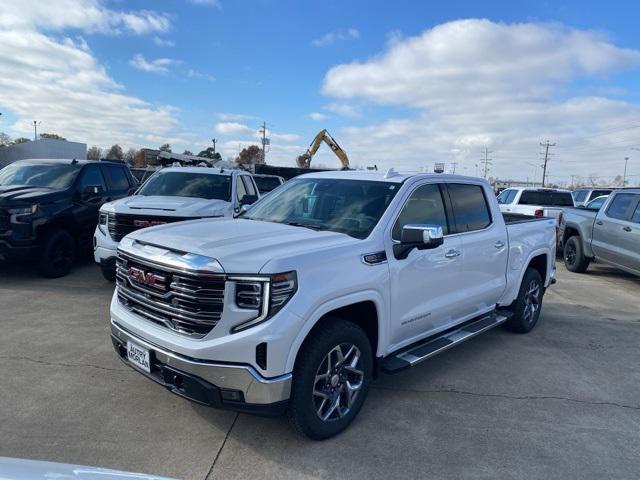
(49, 208)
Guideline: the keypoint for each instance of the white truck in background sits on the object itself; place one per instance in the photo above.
(172, 194)
(539, 202)
(297, 304)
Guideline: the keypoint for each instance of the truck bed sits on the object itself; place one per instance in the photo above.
(511, 218)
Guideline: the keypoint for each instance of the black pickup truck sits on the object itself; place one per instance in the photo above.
(49, 208)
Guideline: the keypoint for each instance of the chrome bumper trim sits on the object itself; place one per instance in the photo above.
(256, 388)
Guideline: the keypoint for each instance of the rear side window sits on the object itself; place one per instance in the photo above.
(266, 184)
(580, 195)
(117, 178)
(620, 206)
(546, 198)
(507, 197)
(470, 208)
(636, 215)
(240, 190)
(598, 193)
(424, 206)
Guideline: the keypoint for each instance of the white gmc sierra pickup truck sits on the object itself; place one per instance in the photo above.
(336, 276)
(173, 194)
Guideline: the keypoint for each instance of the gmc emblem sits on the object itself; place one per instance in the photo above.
(147, 223)
(149, 279)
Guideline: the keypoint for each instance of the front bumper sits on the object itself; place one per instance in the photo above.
(104, 248)
(221, 385)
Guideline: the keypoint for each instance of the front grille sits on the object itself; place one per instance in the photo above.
(4, 220)
(120, 224)
(188, 303)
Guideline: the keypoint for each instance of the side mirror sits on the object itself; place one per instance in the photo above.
(420, 236)
(248, 199)
(90, 190)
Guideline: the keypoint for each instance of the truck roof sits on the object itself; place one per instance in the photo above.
(203, 170)
(63, 161)
(380, 176)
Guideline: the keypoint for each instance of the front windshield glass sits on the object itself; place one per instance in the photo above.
(353, 207)
(49, 175)
(188, 184)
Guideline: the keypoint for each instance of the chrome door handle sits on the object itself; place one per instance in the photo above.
(626, 229)
(598, 222)
(499, 244)
(452, 254)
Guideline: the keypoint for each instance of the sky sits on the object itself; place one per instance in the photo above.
(401, 84)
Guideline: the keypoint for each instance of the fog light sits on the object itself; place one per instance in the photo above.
(232, 395)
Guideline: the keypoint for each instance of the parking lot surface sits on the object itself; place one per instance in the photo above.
(560, 402)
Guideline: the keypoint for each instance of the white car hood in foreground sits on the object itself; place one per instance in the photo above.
(18, 469)
(169, 206)
(239, 245)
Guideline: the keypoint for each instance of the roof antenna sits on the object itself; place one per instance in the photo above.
(391, 173)
(74, 162)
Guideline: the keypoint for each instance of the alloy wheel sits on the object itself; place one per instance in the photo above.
(531, 301)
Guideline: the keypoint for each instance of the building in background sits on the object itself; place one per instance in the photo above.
(42, 148)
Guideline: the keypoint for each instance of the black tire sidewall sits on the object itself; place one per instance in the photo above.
(580, 263)
(517, 323)
(54, 239)
(301, 408)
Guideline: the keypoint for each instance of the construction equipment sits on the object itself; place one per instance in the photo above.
(304, 160)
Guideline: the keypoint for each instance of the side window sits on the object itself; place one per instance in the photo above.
(620, 205)
(117, 178)
(424, 206)
(470, 207)
(240, 190)
(636, 215)
(580, 195)
(506, 197)
(248, 185)
(91, 176)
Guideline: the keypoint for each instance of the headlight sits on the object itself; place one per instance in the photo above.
(266, 295)
(24, 210)
(102, 218)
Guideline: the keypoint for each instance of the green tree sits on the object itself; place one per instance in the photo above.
(210, 153)
(165, 148)
(187, 152)
(20, 140)
(52, 136)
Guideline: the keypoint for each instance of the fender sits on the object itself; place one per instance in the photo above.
(511, 294)
(344, 301)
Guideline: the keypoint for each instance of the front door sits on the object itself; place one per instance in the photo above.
(423, 285)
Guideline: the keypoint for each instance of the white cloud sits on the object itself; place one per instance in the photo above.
(233, 128)
(208, 3)
(473, 83)
(159, 65)
(58, 81)
(318, 116)
(86, 15)
(234, 117)
(336, 36)
(343, 109)
(163, 42)
(192, 73)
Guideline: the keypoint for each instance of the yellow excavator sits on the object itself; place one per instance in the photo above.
(304, 160)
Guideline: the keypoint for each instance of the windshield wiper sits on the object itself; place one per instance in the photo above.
(312, 226)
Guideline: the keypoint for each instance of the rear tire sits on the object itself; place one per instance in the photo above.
(330, 380)
(57, 253)
(526, 308)
(573, 255)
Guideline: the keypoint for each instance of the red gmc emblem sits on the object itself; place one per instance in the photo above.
(147, 223)
(149, 279)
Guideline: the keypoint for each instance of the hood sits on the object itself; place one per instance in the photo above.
(18, 469)
(240, 245)
(170, 206)
(28, 194)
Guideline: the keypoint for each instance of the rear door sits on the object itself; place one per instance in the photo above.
(613, 230)
(87, 204)
(484, 248)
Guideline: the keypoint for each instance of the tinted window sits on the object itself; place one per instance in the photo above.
(240, 190)
(546, 198)
(353, 207)
(91, 176)
(636, 215)
(507, 197)
(188, 184)
(620, 205)
(596, 204)
(598, 193)
(43, 175)
(580, 195)
(266, 184)
(248, 185)
(424, 206)
(470, 207)
(117, 178)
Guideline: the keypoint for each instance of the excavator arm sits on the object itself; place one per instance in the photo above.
(304, 160)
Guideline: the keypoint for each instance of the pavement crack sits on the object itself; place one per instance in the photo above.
(512, 397)
(60, 364)
(221, 447)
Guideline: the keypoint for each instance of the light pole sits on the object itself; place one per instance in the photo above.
(624, 175)
(35, 129)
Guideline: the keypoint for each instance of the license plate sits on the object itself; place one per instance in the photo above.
(138, 356)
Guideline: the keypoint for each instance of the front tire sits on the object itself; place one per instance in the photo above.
(108, 270)
(331, 379)
(57, 253)
(526, 308)
(573, 255)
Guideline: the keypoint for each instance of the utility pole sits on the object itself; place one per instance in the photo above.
(263, 130)
(35, 129)
(453, 167)
(214, 141)
(486, 162)
(624, 176)
(546, 159)
(572, 181)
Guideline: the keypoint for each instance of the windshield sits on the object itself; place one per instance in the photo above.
(49, 175)
(353, 207)
(188, 184)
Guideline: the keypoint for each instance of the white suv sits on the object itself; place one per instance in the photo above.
(170, 195)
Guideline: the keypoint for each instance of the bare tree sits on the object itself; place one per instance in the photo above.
(165, 148)
(115, 153)
(129, 156)
(249, 155)
(187, 152)
(94, 153)
(5, 140)
(52, 136)
(20, 140)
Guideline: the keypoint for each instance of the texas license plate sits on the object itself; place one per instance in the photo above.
(138, 356)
